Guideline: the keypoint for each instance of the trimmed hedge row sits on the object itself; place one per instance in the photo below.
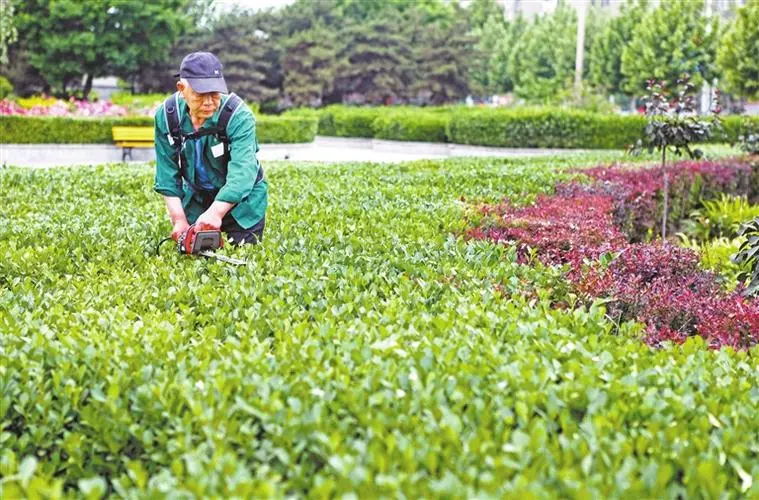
(516, 127)
(544, 128)
(64, 130)
(412, 126)
(284, 129)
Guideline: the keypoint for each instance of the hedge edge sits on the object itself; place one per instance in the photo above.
(65, 130)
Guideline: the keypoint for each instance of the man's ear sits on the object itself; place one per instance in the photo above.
(180, 86)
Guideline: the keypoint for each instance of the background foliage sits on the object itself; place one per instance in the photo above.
(738, 55)
(380, 52)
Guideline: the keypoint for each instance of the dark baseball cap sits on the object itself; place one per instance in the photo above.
(202, 70)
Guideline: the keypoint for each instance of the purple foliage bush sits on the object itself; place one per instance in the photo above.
(599, 230)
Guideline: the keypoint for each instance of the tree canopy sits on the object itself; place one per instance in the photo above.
(8, 33)
(674, 39)
(69, 40)
(738, 55)
(312, 53)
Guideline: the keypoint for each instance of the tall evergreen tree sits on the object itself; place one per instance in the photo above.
(442, 57)
(479, 12)
(308, 65)
(605, 55)
(489, 37)
(738, 54)
(671, 40)
(542, 62)
(375, 61)
(250, 55)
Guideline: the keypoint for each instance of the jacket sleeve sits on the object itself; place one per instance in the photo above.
(243, 164)
(168, 180)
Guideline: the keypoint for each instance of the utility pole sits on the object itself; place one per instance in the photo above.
(580, 6)
(706, 90)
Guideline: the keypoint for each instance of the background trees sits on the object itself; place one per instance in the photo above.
(70, 41)
(8, 33)
(605, 54)
(376, 51)
(738, 55)
(542, 61)
(673, 39)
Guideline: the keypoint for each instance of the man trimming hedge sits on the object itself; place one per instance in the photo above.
(208, 173)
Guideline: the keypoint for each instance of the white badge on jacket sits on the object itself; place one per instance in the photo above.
(217, 150)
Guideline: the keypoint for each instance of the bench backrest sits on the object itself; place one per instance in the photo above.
(142, 134)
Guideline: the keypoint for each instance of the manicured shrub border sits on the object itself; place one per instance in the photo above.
(544, 127)
(65, 130)
(593, 228)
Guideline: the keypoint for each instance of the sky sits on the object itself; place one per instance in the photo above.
(256, 4)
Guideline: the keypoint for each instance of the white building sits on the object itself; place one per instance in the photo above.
(532, 8)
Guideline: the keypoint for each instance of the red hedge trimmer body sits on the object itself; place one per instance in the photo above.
(194, 241)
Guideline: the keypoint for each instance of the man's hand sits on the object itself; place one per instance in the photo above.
(211, 218)
(179, 227)
(177, 216)
(208, 221)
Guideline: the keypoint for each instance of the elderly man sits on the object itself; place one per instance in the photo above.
(206, 165)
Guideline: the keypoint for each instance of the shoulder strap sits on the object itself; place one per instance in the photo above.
(227, 112)
(231, 106)
(171, 111)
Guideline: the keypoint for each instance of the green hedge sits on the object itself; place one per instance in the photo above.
(63, 130)
(355, 122)
(284, 129)
(412, 125)
(544, 128)
(514, 127)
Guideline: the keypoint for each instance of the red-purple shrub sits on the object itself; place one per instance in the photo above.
(730, 321)
(563, 229)
(637, 192)
(657, 284)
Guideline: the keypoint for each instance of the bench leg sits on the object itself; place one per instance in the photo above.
(126, 152)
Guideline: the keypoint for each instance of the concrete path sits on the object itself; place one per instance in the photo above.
(323, 149)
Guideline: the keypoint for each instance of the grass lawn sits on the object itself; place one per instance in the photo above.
(366, 350)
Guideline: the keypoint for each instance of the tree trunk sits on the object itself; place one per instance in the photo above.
(666, 197)
(87, 87)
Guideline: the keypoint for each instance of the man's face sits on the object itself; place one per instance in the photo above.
(201, 105)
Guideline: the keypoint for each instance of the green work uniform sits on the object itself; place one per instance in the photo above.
(235, 182)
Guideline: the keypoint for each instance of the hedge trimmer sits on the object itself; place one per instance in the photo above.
(194, 241)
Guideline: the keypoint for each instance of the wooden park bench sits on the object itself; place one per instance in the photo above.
(132, 137)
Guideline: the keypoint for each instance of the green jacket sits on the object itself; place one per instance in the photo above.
(235, 181)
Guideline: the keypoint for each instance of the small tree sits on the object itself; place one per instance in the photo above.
(674, 125)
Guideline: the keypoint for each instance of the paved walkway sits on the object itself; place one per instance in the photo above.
(323, 149)
(338, 149)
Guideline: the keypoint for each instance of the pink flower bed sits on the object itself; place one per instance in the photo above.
(658, 284)
(63, 108)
